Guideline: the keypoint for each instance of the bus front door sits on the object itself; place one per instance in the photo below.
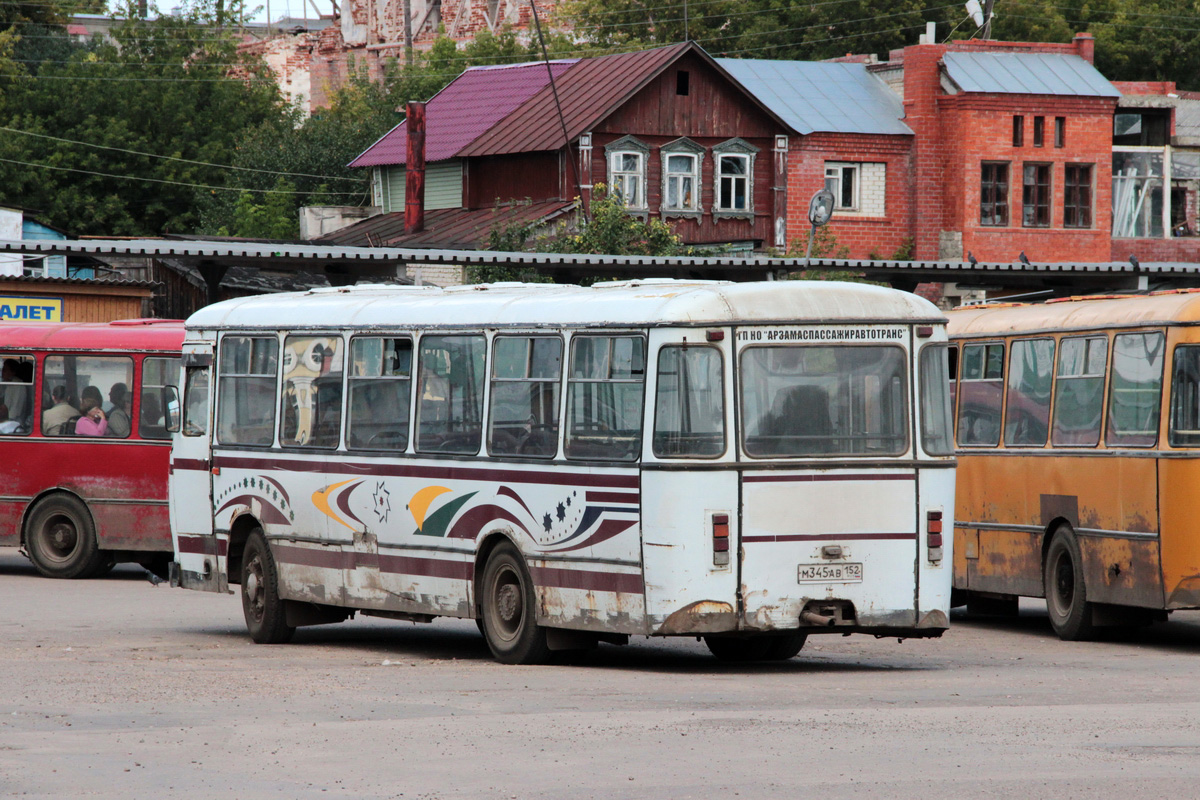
(199, 556)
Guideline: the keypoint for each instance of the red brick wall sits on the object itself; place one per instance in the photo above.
(977, 128)
(864, 236)
(1145, 87)
(922, 86)
(1185, 249)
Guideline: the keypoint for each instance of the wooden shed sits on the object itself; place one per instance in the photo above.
(35, 298)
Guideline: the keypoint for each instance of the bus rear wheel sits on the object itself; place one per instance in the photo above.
(266, 618)
(1066, 590)
(61, 539)
(509, 610)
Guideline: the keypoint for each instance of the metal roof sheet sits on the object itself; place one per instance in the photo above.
(813, 96)
(587, 92)
(1027, 73)
(449, 227)
(464, 110)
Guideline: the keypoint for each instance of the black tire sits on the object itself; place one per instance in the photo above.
(740, 649)
(265, 616)
(60, 538)
(1066, 592)
(785, 647)
(509, 610)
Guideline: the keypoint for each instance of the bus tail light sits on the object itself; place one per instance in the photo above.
(933, 535)
(720, 533)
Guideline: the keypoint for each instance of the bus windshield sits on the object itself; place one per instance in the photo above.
(805, 401)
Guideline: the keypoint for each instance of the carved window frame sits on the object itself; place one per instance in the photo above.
(629, 145)
(733, 147)
(682, 146)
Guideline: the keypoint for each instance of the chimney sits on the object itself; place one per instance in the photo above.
(414, 173)
(1085, 46)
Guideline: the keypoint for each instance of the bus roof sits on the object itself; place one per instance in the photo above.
(621, 303)
(127, 334)
(1078, 313)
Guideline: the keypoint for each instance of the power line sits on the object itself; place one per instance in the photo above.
(176, 183)
(173, 158)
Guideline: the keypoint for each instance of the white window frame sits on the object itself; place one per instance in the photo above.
(733, 148)
(682, 147)
(835, 176)
(614, 153)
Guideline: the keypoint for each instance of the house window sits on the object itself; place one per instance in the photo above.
(1036, 197)
(681, 83)
(842, 180)
(1039, 131)
(1060, 131)
(627, 175)
(683, 179)
(734, 178)
(733, 183)
(1018, 131)
(1077, 197)
(993, 194)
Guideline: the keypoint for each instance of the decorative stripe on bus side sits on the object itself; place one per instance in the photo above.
(811, 537)
(556, 577)
(561, 478)
(864, 476)
(200, 545)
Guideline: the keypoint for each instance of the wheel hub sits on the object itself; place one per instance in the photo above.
(62, 536)
(508, 602)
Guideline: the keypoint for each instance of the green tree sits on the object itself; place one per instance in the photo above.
(612, 230)
(148, 117)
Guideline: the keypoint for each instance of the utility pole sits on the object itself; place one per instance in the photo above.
(987, 19)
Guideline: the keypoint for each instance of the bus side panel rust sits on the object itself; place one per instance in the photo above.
(1008, 562)
(1121, 571)
(1180, 546)
(590, 610)
(125, 526)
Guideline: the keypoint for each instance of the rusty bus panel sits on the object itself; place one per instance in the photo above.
(127, 526)
(1009, 562)
(590, 610)
(1180, 547)
(1121, 571)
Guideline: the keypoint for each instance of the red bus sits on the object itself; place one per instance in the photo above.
(84, 448)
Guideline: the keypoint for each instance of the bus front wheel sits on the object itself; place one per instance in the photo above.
(266, 618)
(1066, 592)
(61, 539)
(509, 610)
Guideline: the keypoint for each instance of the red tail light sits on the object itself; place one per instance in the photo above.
(720, 535)
(933, 536)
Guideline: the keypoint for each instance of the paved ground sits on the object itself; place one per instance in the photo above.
(115, 688)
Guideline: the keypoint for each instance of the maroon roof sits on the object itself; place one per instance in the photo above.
(588, 92)
(448, 228)
(464, 110)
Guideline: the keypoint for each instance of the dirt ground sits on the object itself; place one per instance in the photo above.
(116, 688)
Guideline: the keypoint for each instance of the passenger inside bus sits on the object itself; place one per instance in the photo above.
(93, 421)
(61, 412)
(119, 423)
(8, 425)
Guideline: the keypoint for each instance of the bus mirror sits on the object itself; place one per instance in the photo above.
(170, 401)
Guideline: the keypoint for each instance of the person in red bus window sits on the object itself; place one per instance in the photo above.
(8, 425)
(93, 422)
(55, 418)
(119, 423)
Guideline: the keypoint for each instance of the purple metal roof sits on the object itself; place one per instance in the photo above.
(465, 110)
(588, 92)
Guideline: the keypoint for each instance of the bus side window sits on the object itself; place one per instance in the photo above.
(1185, 398)
(380, 386)
(16, 396)
(1030, 375)
(77, 385)
(980, 393)
(246, 390)
(1135, 391)
(311, 404)
(604, 397)
(157, 373)
(195, 403)
(450, 374)
(523, 418)
(1079, 392)
(689, 407)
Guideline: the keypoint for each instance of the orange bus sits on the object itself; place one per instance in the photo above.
(1077, 425)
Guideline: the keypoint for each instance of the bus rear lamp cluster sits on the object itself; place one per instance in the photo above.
(933, 535)
(720, 533)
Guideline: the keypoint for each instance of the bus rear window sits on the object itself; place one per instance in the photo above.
(1135, 391)
(840, 400)
(936, 422)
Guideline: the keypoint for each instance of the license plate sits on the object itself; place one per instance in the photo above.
(830, 573)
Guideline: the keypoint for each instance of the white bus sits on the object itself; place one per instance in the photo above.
(747, 463)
